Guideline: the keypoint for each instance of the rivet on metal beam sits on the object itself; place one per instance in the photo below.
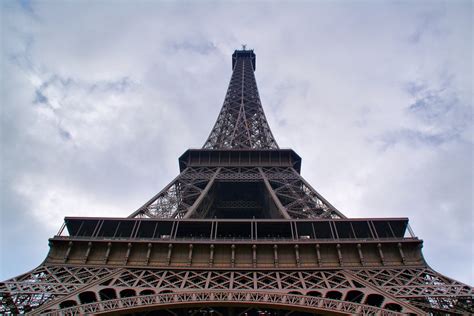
(190, 255)
(211, 255)
(339, 254)
(88, 251)
(382, 259)
(107, 252)
(297, 255)
(254, 256)
(232, 260)
(402, 255)
(318, 254)
(148, 253)
(361, 255)
(68, 251)
(127, 255)
(275, 256)
(168, 257)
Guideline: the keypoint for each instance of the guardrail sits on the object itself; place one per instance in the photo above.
(237, 239)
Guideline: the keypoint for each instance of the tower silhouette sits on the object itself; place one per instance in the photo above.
(238, 232)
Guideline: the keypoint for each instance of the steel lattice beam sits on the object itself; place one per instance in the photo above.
(242, 123)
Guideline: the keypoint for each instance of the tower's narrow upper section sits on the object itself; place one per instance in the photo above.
(242, 124)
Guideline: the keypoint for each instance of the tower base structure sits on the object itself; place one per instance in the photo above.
(276, 266)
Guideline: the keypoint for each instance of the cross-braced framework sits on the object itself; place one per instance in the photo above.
(79, 290)
(239, 229)
(181, 195)
(242, 122)
(423, 288)
(46, 283)
(191, 194)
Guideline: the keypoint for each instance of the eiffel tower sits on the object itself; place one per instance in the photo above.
(238, 232)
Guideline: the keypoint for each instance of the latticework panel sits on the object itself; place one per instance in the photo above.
(180, 300)
(234, 280)
(178, 196)
(423, 287)
(188, 192)
(241, 122)
(239, 174)
(420, 286)
(30, 290)
(298, 198)
(415, 282)
(336, 285)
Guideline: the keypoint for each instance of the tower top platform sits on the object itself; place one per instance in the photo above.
(244, 54)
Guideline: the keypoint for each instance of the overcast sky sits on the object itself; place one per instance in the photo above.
(99, 98)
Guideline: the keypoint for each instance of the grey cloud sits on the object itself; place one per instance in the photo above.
(39, 97)
(64, 134)
(414, 138)
(201, 47)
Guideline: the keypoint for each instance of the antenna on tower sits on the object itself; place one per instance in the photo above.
(244, 46)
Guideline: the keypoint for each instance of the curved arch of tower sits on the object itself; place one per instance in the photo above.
(238, 232)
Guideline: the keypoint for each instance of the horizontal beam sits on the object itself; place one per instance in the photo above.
(199, 254)
(240, 158)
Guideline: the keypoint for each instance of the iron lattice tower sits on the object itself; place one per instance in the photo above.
(238, 232)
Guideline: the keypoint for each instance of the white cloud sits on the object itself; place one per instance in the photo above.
(51, 203)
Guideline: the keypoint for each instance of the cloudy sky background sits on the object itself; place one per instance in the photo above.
(99, 99)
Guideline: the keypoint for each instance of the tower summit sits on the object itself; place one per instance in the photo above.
(238, 232)
(242, 124)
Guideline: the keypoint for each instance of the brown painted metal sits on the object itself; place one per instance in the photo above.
(238, 229)
(242, 124)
